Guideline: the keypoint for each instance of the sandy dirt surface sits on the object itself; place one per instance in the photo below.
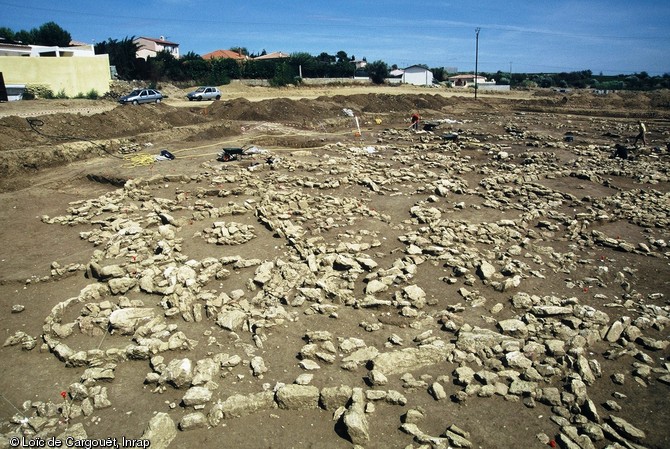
(500, 281)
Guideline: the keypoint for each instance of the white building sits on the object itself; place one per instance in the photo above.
(36, 51)
(150, 47)
(469, 80)
(417, 75)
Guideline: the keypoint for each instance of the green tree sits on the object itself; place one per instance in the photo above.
(122, 54)
(51, 34)
(240, 50)
(546, 82)
(48, 34)
(25, 37)
(305, 63)
(164, 66)
(342, 56)
(264, 69)
(194, 67)
(7, 33)
(326, 58)
(378, 71)
(284, 75)
(633, 82)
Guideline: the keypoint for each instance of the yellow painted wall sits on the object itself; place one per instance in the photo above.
(74, 75)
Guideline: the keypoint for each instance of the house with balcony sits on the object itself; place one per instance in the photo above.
(149, 47)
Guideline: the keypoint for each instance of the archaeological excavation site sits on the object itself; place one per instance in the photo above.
(303, 268)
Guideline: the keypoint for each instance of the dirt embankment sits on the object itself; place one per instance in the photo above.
(48, 135)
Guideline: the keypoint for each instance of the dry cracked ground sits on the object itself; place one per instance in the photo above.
(498, 281)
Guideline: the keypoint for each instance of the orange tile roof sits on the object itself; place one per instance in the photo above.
(224, 54)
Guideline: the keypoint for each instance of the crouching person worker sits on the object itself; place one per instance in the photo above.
(415, 121)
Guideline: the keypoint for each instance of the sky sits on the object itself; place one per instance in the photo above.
(532, 36)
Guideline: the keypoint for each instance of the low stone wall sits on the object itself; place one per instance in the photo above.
(306, 81)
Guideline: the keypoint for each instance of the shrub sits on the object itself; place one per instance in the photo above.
(92, 94)
(378, 71)
(283, 76)
(38, 91)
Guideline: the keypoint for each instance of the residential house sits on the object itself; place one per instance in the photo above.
(225, 54)
(273, 55)
(468, 80)
(361, 63)
(149, 47)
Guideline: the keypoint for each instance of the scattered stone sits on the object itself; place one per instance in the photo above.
(231, 319)
(127, 320)
(354, 418)
(629, 430)
(18, 308)
(238, 405)
(196, 396)
(410, 359)
(192, 421)
(160, 431)
(258, 366)
(297, 397)
(437, 390)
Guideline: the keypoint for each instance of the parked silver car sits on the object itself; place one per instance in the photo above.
(204, 93)
(142, 96)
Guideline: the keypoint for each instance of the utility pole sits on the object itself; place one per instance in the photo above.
(476, 58)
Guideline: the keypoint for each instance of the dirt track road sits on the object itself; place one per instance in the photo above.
(177, 97)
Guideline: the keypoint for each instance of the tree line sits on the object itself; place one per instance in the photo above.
(192, 68)
(583, 79)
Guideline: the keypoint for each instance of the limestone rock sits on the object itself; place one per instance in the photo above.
(179, 372)
(627, 429)
(297, 397)
(334, 397)
(196, 396)
(193, 421)
(354, 419)
(410, 359)
(231, 319)
(160, 431)
(437, 390)
(485, 270)
(239, 405)
(127, 320)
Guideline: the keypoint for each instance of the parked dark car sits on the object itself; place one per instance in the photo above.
(204, 93)
(139, 96)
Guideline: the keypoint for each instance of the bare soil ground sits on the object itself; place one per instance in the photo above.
(538, 160)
